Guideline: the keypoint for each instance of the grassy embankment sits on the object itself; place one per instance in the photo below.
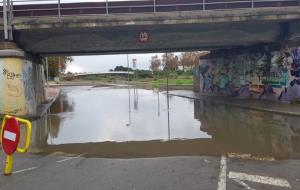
(147, 77)
(175, 78)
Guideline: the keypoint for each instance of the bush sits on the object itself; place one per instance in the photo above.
(144, 74)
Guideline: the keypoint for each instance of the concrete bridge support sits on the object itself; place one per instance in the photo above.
(21, 81)
(261, 71)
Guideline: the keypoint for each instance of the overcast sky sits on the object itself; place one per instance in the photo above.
(102, 63)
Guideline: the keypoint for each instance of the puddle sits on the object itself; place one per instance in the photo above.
(130, 123)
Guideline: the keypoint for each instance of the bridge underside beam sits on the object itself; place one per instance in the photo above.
(174, 31)
(161, 38)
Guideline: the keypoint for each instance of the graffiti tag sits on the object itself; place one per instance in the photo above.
(10, 75)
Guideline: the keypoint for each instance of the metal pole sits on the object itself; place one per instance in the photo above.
(58, 9)
(252, 3)
(5, 20)
(129, 103)
(10, 19)
(106, 7)
(158, 103)
(168, 104)
(203, 5)
(154, 6)
(128, 68)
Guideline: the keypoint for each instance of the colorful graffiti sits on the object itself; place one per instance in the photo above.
(265, 75)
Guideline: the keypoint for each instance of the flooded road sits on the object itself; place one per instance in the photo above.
(129, 123)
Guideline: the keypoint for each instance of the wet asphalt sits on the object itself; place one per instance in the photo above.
(57, 171)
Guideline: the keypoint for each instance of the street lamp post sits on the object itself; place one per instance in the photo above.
(5, 20)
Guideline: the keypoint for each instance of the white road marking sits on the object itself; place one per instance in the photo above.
(223, 174)
(70, 158)
(10, 135)
(249, 157)
(243, 184)
(260, 179)
(24, 170)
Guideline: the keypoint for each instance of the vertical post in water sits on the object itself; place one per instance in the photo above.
(5, 20)
(203, 5)
(252, 3)
(168, 104)
(127, 67)
(129, 103)
(106, 6)
(58, 8)
(154, 6)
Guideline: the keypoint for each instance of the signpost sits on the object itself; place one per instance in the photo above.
(10, 138)
(144, 37)
(134, 62)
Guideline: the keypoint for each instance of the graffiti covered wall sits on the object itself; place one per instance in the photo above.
(18, 93)
(272, 75)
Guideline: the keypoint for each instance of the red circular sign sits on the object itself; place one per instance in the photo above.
(144, 37)
(10, 136)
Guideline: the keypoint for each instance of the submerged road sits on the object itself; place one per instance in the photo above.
(199, 172)
(132, 144)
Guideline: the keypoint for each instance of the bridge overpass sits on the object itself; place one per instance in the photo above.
(55, 28)
(170, 25)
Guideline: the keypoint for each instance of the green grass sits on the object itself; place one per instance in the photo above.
(178, 81)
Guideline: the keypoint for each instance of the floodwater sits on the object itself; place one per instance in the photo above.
(128, 123)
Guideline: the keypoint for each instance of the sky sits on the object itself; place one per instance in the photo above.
(103, 63)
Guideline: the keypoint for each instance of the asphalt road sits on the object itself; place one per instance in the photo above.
(199, 172)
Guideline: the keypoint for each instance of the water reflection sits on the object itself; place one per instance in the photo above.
(100, 121)
(100, 114)
(247, 131)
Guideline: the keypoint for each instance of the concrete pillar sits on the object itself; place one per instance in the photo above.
(21, 82)
(196, 79)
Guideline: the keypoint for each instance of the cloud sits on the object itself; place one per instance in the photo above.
(102, 63)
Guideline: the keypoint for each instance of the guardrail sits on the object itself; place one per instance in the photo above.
(22, 8)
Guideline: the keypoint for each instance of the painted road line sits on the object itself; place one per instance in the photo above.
(223, 174)
(249, 157)
(241, 183)
(260, 179)
(24, 170)
(70, 158)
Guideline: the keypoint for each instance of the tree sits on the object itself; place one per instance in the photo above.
(122, 68)
(155, 63)
(58, 64)
(170, 61)
(190, 59)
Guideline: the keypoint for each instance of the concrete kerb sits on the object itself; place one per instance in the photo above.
(270, 110)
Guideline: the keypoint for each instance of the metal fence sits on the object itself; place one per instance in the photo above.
(58, 8)
(22, 8)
